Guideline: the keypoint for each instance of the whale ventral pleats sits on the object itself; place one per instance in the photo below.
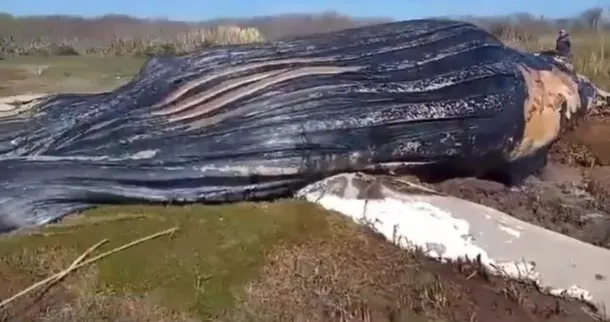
(177, 94)
(19, 104)
(202, 108)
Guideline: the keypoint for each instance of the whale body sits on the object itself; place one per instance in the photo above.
(436, 98)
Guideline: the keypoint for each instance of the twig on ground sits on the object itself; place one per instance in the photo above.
(54, 278)
(419, 186)
(472, 275)
(78, 263)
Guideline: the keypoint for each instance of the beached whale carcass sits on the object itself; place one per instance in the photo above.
(235, 123)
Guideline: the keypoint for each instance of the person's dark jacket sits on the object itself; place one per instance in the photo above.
(563, 46)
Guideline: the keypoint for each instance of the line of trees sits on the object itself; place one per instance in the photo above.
(272, 27)
(591, 19)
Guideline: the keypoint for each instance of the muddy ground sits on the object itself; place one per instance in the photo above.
(571, 195)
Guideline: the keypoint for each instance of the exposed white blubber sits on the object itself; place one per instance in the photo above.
(420, 225)
(448, 228)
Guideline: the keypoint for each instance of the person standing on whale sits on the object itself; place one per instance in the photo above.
(563, 45)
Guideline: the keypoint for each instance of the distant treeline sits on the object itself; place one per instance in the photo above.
(119, 34)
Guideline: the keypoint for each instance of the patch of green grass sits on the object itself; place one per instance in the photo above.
(200, 270)
(79, 65)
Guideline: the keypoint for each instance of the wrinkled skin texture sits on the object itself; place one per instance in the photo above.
(441, 98)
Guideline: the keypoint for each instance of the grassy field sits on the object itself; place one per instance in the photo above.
(284, 261)
(201, 271)
(591, 52)
(52, 74)
(247, 262)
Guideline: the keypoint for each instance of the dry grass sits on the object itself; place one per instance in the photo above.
(129, 36)
(123, 35)
(354, 276)
(120, 35)
(198, 272)
(148, 45)
(76, 298)
(287, 261)
(591, 50)
(61, 74)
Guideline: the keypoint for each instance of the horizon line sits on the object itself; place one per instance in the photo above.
(286, 14)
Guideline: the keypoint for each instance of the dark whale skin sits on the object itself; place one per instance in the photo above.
(226, 124)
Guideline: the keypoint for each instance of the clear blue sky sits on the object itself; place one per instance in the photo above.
(207, 9)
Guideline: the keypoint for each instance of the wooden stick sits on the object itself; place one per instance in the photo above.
(128, 245)
(53, 278)
(78, 263)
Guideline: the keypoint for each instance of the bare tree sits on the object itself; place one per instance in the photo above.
(592, 17)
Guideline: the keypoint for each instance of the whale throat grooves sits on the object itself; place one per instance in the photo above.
(434, 98)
